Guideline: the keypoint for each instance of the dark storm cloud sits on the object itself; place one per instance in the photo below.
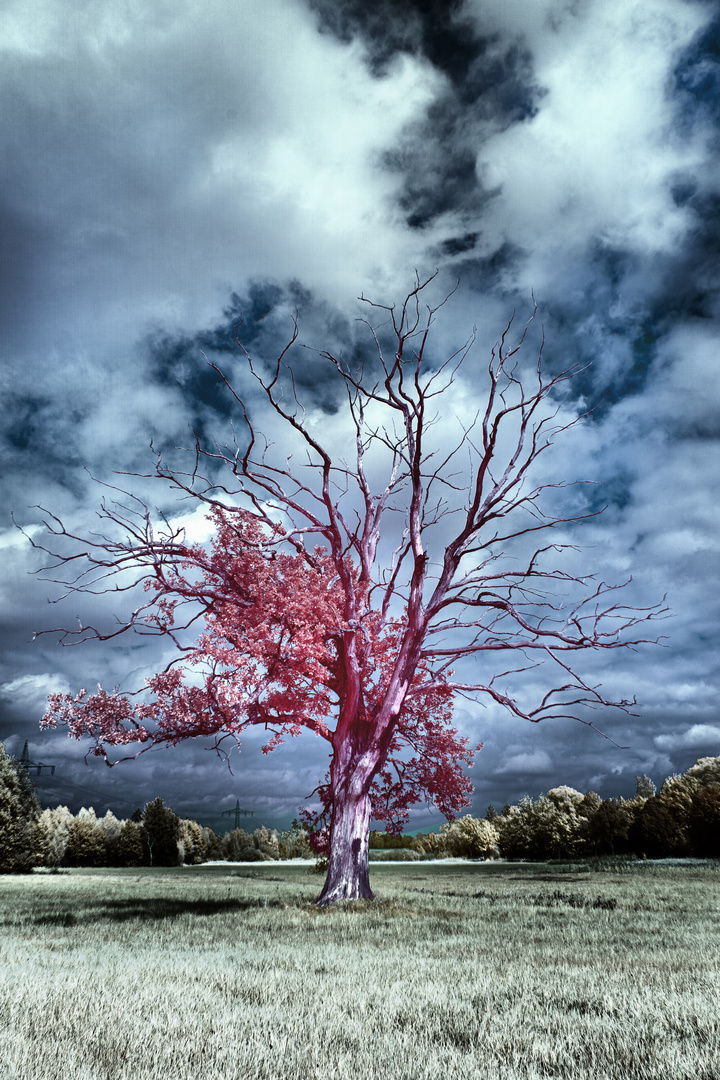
(184, 361)
(260, 321)
(436, 156)
(429, 27)
(487, 84)
(148, 168)
(697, 77)
(690, 281)
(677, 287)
(634, 298)
(32, 435)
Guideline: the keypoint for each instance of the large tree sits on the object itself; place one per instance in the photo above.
(320, 612)
(19, 811)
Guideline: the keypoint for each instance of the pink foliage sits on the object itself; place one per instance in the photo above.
(270, 655)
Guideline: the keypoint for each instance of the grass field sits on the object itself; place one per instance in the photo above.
(475, 970)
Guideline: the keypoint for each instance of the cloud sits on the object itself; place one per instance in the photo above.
(605, 74)
(528, 763)
(695, 736)
(31, 689)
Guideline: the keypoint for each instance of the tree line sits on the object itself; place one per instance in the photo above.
(680, 820)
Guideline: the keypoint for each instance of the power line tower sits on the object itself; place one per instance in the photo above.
(237, 812)
(27, 764)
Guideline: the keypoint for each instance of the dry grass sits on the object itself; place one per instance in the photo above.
(468, 971)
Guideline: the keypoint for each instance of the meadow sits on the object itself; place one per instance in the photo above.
(473, 970)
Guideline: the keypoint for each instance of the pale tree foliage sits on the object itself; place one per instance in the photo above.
(471, 838)
(566, 799)
(349, 597)
(87, 845)
(84, 838)
(237, 846)
(111, 827)
(267, 841)
(261, 846)
(543, 828)
(53, 834)
(19, 811)
(193, 843)
(705, 771)
(644, 787)
(294, 843)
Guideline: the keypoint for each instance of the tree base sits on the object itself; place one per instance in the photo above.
(345, 882)
(343, 892)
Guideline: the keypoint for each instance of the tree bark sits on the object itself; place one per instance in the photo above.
(348, 876)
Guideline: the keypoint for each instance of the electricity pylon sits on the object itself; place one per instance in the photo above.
(27, 764)
(237, 812)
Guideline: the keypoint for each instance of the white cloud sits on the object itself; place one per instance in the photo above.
(31, 691)
(13, 538)
(697, 735)
(527, 761)
(596, 160)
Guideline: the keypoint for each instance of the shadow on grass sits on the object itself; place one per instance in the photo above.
(119, 911)
(159, 909)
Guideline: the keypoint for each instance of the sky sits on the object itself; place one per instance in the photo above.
(168, 168)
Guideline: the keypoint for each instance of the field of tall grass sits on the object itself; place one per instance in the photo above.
(475, 970)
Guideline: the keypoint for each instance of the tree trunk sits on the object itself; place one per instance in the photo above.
(348, 875)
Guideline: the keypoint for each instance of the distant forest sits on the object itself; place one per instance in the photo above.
(681, 820)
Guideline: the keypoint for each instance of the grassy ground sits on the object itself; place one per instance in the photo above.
(453, 972)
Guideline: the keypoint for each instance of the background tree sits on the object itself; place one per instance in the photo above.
(237, 845)
(19, 811)
(704, 822)
(609, 828)
(682, 801)
(162, 831)
(705, 771)
(294, 843)
(542, 829)
(320, 614)
(87, 844)
(675, 799)
(194, 842)
(566, 799)
(111, 828)
(53, 833)
(644, 787)
(131, 848)
(589, 804)
(655, 832)
(470, 838)
(267, 841)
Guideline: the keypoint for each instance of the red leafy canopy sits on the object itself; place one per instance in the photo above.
(270, 654)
